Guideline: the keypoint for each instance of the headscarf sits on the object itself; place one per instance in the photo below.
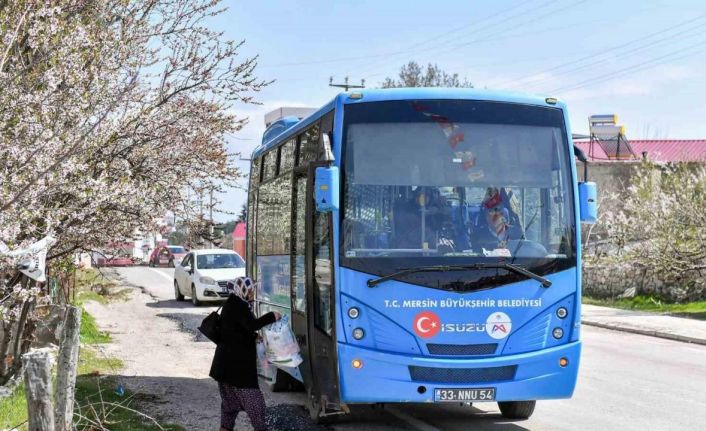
(496, 215)
(242, 287)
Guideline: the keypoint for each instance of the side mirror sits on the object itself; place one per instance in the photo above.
(588, 202)
(326, 185)
(187, 268)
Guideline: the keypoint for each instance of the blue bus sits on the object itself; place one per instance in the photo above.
(425, 245)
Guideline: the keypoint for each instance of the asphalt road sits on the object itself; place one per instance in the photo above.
(626, 382)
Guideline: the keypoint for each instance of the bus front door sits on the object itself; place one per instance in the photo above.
(300, 308)
(323, 392)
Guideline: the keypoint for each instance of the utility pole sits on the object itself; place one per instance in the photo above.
(210, 216)
(345, 84)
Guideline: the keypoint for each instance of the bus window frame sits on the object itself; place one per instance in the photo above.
(298, 172)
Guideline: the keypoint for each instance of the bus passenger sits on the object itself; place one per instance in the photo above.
(234, 365)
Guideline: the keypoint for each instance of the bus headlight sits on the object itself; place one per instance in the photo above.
(562, 312)
(558, 333)
(353, 312)
(358, 333)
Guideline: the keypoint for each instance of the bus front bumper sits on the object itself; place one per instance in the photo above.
(388, 377)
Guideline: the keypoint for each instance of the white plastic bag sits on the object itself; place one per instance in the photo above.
(265, 368)
(281, 347)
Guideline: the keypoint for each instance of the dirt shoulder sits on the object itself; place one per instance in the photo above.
(168, 363)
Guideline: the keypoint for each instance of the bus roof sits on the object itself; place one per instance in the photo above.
(415, 93)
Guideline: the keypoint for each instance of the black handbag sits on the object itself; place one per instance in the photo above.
(211, 326)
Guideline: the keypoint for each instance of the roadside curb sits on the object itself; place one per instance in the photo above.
(648, 332)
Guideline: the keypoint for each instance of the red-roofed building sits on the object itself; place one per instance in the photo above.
(658, 150)
(239, 239)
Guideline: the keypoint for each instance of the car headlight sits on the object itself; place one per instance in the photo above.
(206, 280)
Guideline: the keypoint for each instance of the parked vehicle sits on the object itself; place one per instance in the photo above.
(167, 255)
(114, 261)
(203, 274)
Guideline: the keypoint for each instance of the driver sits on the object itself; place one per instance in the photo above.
(220, 261)
(408, 221)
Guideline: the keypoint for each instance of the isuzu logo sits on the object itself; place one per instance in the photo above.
(427, 324)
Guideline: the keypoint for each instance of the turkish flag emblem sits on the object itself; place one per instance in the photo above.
(427, 324)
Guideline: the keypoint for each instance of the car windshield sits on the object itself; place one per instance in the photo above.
(177, 249)
(219, 260)
(449, 182)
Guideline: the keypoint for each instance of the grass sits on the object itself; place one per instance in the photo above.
(693, 310)
(98, 398)
(13, 409)
(96, 382)
(90, 334)
(91, 285)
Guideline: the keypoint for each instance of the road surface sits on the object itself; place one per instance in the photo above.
(626, 382)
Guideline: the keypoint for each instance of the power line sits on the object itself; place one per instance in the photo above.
(492, 39)
(646, 65)
(491, 36)
(621, 54)
(406, 50)
(601, 52)
(474, 31)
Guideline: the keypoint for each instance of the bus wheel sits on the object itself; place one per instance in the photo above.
(517, 409)
(315, 411)
(314, 406)
(281, 382)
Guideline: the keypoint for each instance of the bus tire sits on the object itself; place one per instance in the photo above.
(281, 382)
(314, 407)
(517, 409)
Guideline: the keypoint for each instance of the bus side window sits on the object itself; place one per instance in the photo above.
(270, 165)
(299, 246)
(309, 145)
(252, 217)
(323, 273)
(326, 128)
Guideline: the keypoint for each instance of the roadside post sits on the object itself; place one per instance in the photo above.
(38, 386)
(66, 370)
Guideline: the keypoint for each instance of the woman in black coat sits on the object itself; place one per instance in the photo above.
(234, 365)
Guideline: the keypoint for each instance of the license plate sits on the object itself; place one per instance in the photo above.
(461, 395)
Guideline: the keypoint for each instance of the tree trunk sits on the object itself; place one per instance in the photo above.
(37, 366)
(22, 339)
(66, 370)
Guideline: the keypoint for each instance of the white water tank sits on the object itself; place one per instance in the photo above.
(287, 111)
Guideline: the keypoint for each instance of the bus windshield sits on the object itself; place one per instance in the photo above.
(448, 182)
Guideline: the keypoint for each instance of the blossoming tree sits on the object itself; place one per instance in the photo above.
(111, 113)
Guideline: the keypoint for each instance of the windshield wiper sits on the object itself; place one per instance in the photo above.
(444, 268)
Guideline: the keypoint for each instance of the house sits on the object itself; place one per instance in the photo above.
(657, 150)
(239, 239)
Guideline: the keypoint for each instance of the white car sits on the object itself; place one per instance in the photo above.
(203, 274)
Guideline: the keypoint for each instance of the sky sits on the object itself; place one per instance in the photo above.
(642, 60)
